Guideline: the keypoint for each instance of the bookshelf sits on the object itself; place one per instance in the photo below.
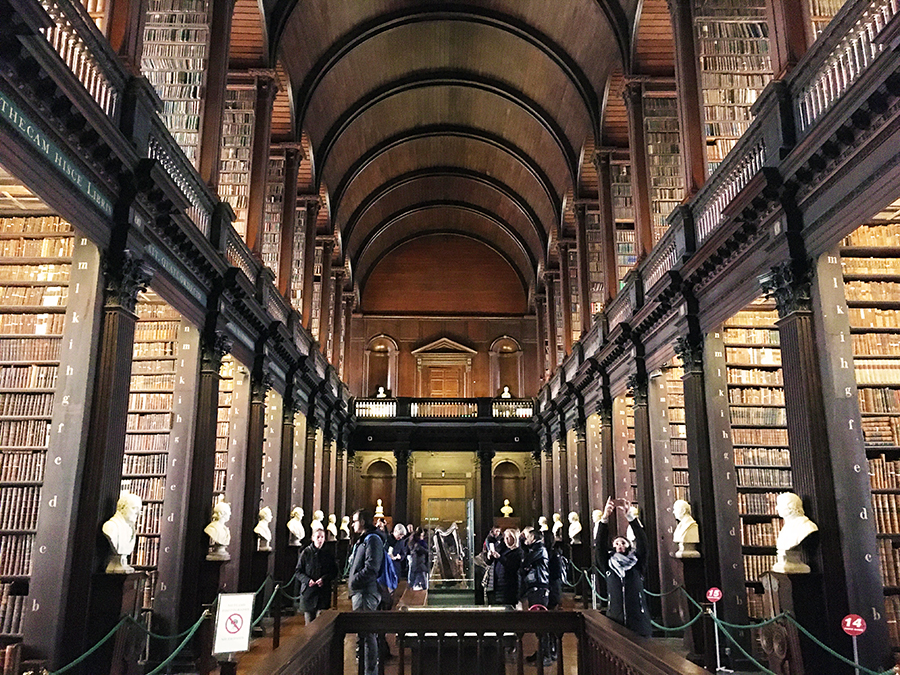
(297, 260)
(762, 460)
(574, 302)
(733, 50)
(223, 425)
(663, 159)
(35, 263)
(677, 431)
(271, 244)
(237, 145)
(174, 60)
(623, 214)
(623, 447)
(594, 238)
(870, 260)
(271, 451)
(821, 12)
(151, 405)
(97, 10)
(317, 293)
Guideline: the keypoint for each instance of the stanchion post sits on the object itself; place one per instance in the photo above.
(276, 622)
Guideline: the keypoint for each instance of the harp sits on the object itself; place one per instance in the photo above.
(448, 553)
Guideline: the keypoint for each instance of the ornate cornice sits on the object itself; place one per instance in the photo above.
(213, 351)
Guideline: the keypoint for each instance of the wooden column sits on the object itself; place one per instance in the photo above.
(548, 480)
(337, 314)
(283, 505)
(325, 296)
(266, 88)
(401, 498)
(536, 483)
(643, 459)
(582, 476)
(340, 473)
(126, 32)
(584, 275)
(540, 313)
(104, 447)
(640, 178)
(607, 455)
(565, 295)
(293, 154)
(246, 540)
(552, 336)
(209, 152)
(790, 34)
(607, 225)
(309, 463)
(562, 457)
(349, 299)
(325, 501)
(485, 492)
(813, 469)
(690, 97)
(311, 204)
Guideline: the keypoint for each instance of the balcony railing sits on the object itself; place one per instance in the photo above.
(375, 408)
(507, 407)
(443, 408)
(471, 641)
(493, 409)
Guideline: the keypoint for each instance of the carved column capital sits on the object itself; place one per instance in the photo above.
(126, 276)
(789, 284)
(213, 351)
(259, 387)
(403, 456)
(637, 384)
(690, 351)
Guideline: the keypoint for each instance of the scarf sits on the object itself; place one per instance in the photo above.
(622, 562)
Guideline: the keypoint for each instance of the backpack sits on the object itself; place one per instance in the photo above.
(387, 575)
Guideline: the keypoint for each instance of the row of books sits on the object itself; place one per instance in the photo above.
(33, 296)
(892, 617)
(28, 377)
(890, 562)
(881, 430)
(35, 273)
(866, 266)
(717, 149)
(756, 503)
(163, 382)
(762, 456)
(885, 508)
(751, 396)
(146, 552)
(156, 315)
(886, 235)
(32, 324)
(26, 405)
(868, 317)
(154, 349)
(876, 372)
(34, 224)
(26, 467)
(149, 421)
(680, 477)
(24, 433)
(150, 518)
(763, 356)
(144, 367)
(154, 331)
(150, 401)
(676, 409)
(16, 558)
(19, 507)
(29, 349)
(219, 478)
(756, 608)
(148, 489)
(136, 465)
(761, 436)
(12, 609)
(878, 400)
(756, 565)
(758, 63)
(50, 247)
(876, 344)
(760, 534)
(754, 376)
(757, 336)
(770, 478)
(758, 416)
(872, 291)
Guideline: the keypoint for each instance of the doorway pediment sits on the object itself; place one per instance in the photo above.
(443, 346)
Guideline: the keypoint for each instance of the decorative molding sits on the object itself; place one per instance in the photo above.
(789, 284)
(213, 351)
(690, 351)
(126, 276)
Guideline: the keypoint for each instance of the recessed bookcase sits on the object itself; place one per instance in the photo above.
(297, 261)
(271, 452)
(623, 446)
(733, 49)
(35, 264)
(271, 244)
(594, 237)
(174, 60)
(762, 459)
(623, 214)
(677, 430)
(317, 293)
(151, 407)
(663, 159)
(574, 302)
(870, 259)
(237, 146)
(821, 12)
(223, 425)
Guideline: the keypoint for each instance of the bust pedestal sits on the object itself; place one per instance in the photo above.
(700, 639)
(112, 597)
(581, 558)
(210, 584)
(790, 651)
(259, 570)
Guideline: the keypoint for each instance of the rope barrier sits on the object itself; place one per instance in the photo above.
(835, 654)
(162, 666)
(156, 636)
(737, 644)
(664, 593)
(90, 651)
(265, 609)
(673, 629)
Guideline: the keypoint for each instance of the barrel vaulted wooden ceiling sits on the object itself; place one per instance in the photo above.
(473, 118)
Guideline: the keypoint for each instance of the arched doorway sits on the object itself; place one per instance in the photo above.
(506, 366)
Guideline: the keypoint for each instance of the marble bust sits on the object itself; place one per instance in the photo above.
(120, 533)
(506, 509)
(557, 526)
(344, 532)
(317, 524)
(381, 393)
(574, 528)
(218, 532)
(505, 393)
(295, 527)
(687, 533)
(262, 530)
(542, 524)
(796, 528)
(332, 527)
(379, 509)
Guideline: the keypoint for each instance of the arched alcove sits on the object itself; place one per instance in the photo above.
(379, 484)
(506, 366)
(381, 364)
(509, 484)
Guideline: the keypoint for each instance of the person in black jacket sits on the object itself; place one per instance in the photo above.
(624, 567)
(316, 570)
(534, 574)
(362, 583)
(506, 569)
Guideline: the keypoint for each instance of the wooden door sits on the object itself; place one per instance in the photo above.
(444, 512)
(444, 382)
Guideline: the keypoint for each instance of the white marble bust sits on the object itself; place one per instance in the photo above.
(542, 524)
(332, 527)
(557, 526)
(345, 528)
(574, 528)
(381, 393)
(796, 528)
(379, 509)
(120, 532)
(295, 527)
(505, 393)
(262, 530)
(218, 532)
(506, 510)
(317, 524)
(687, 533)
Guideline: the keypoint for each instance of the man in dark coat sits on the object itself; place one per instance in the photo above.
(316, 571)
(623, 568)
(362, 580)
